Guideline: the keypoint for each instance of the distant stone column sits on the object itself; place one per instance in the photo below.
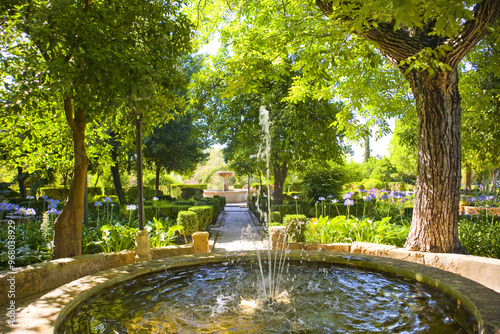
(200, 243)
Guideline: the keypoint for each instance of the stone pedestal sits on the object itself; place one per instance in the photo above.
(200, 243)
(142, 249)
(278, 237)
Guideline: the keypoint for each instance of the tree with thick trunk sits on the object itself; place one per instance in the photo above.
(68, 225)
(95, 60)
(429, 62)
(280, 172)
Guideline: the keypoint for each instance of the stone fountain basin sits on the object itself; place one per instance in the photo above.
(231, 195)
(225, 174)
(45, 314)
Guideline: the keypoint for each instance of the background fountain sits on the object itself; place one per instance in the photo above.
(231, 195)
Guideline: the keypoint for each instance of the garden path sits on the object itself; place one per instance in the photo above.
(239, 229)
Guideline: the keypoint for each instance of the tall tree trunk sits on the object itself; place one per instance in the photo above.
(280, 173)
(367, 148)
(434, 226)
(97, 179)
(21, 177)
(435, 217)
(468, 179)
(68, 226)
(157, 181)
(115, 170)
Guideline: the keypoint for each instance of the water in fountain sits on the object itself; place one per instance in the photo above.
(220, 298)
(276, 263)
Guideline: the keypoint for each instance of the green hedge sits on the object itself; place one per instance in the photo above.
(275, 217)
(197, 186)
(55, 193)
(205, 215)
(185, 202)
(149, 193)
(191, 193)
(295, 225)
(285, 209)
(189, 220)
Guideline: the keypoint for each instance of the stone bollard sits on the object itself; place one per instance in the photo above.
(142, 249)
(278, 237)
(200, 243)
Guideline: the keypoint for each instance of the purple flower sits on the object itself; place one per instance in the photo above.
(155, 198)
(97, 204)
(131, 207)
(54, 212)
(321, 199)
(334, 201)
(347, 195)
(107, 199)
(348, 202)
(295, 197)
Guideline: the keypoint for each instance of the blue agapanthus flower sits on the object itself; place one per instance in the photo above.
(348, 202)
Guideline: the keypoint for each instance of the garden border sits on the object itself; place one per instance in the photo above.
(44, 314)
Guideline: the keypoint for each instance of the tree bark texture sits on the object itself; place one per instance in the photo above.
(280, 173)
(435, 217)
(68, 226)
(21, 177)
(115, 171)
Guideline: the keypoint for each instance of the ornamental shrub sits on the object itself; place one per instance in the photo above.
(189, 220)
(295, 225)
(275, 217)
(205, 215)
(323, 181)
(55, 193)
(191, 193)
(283, 210)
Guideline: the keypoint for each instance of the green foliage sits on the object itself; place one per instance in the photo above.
(275, 217)
(383, 171)
(189, 220)
(116, 238)
(343, 230)
(322, 181)
(205, 215)
(296, 226)
(94, 192)
(283, 210)
(185, 202)
(480, 235)
(162, 233)
(149, 193)
(372, 183)
(6, 192)
(176, 145)
(190, 192)
(55, 193)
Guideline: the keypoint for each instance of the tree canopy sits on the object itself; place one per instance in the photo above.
(97, 61)
(299, 131)
(424, 41)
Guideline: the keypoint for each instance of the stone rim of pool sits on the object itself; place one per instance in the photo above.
(47, 312)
